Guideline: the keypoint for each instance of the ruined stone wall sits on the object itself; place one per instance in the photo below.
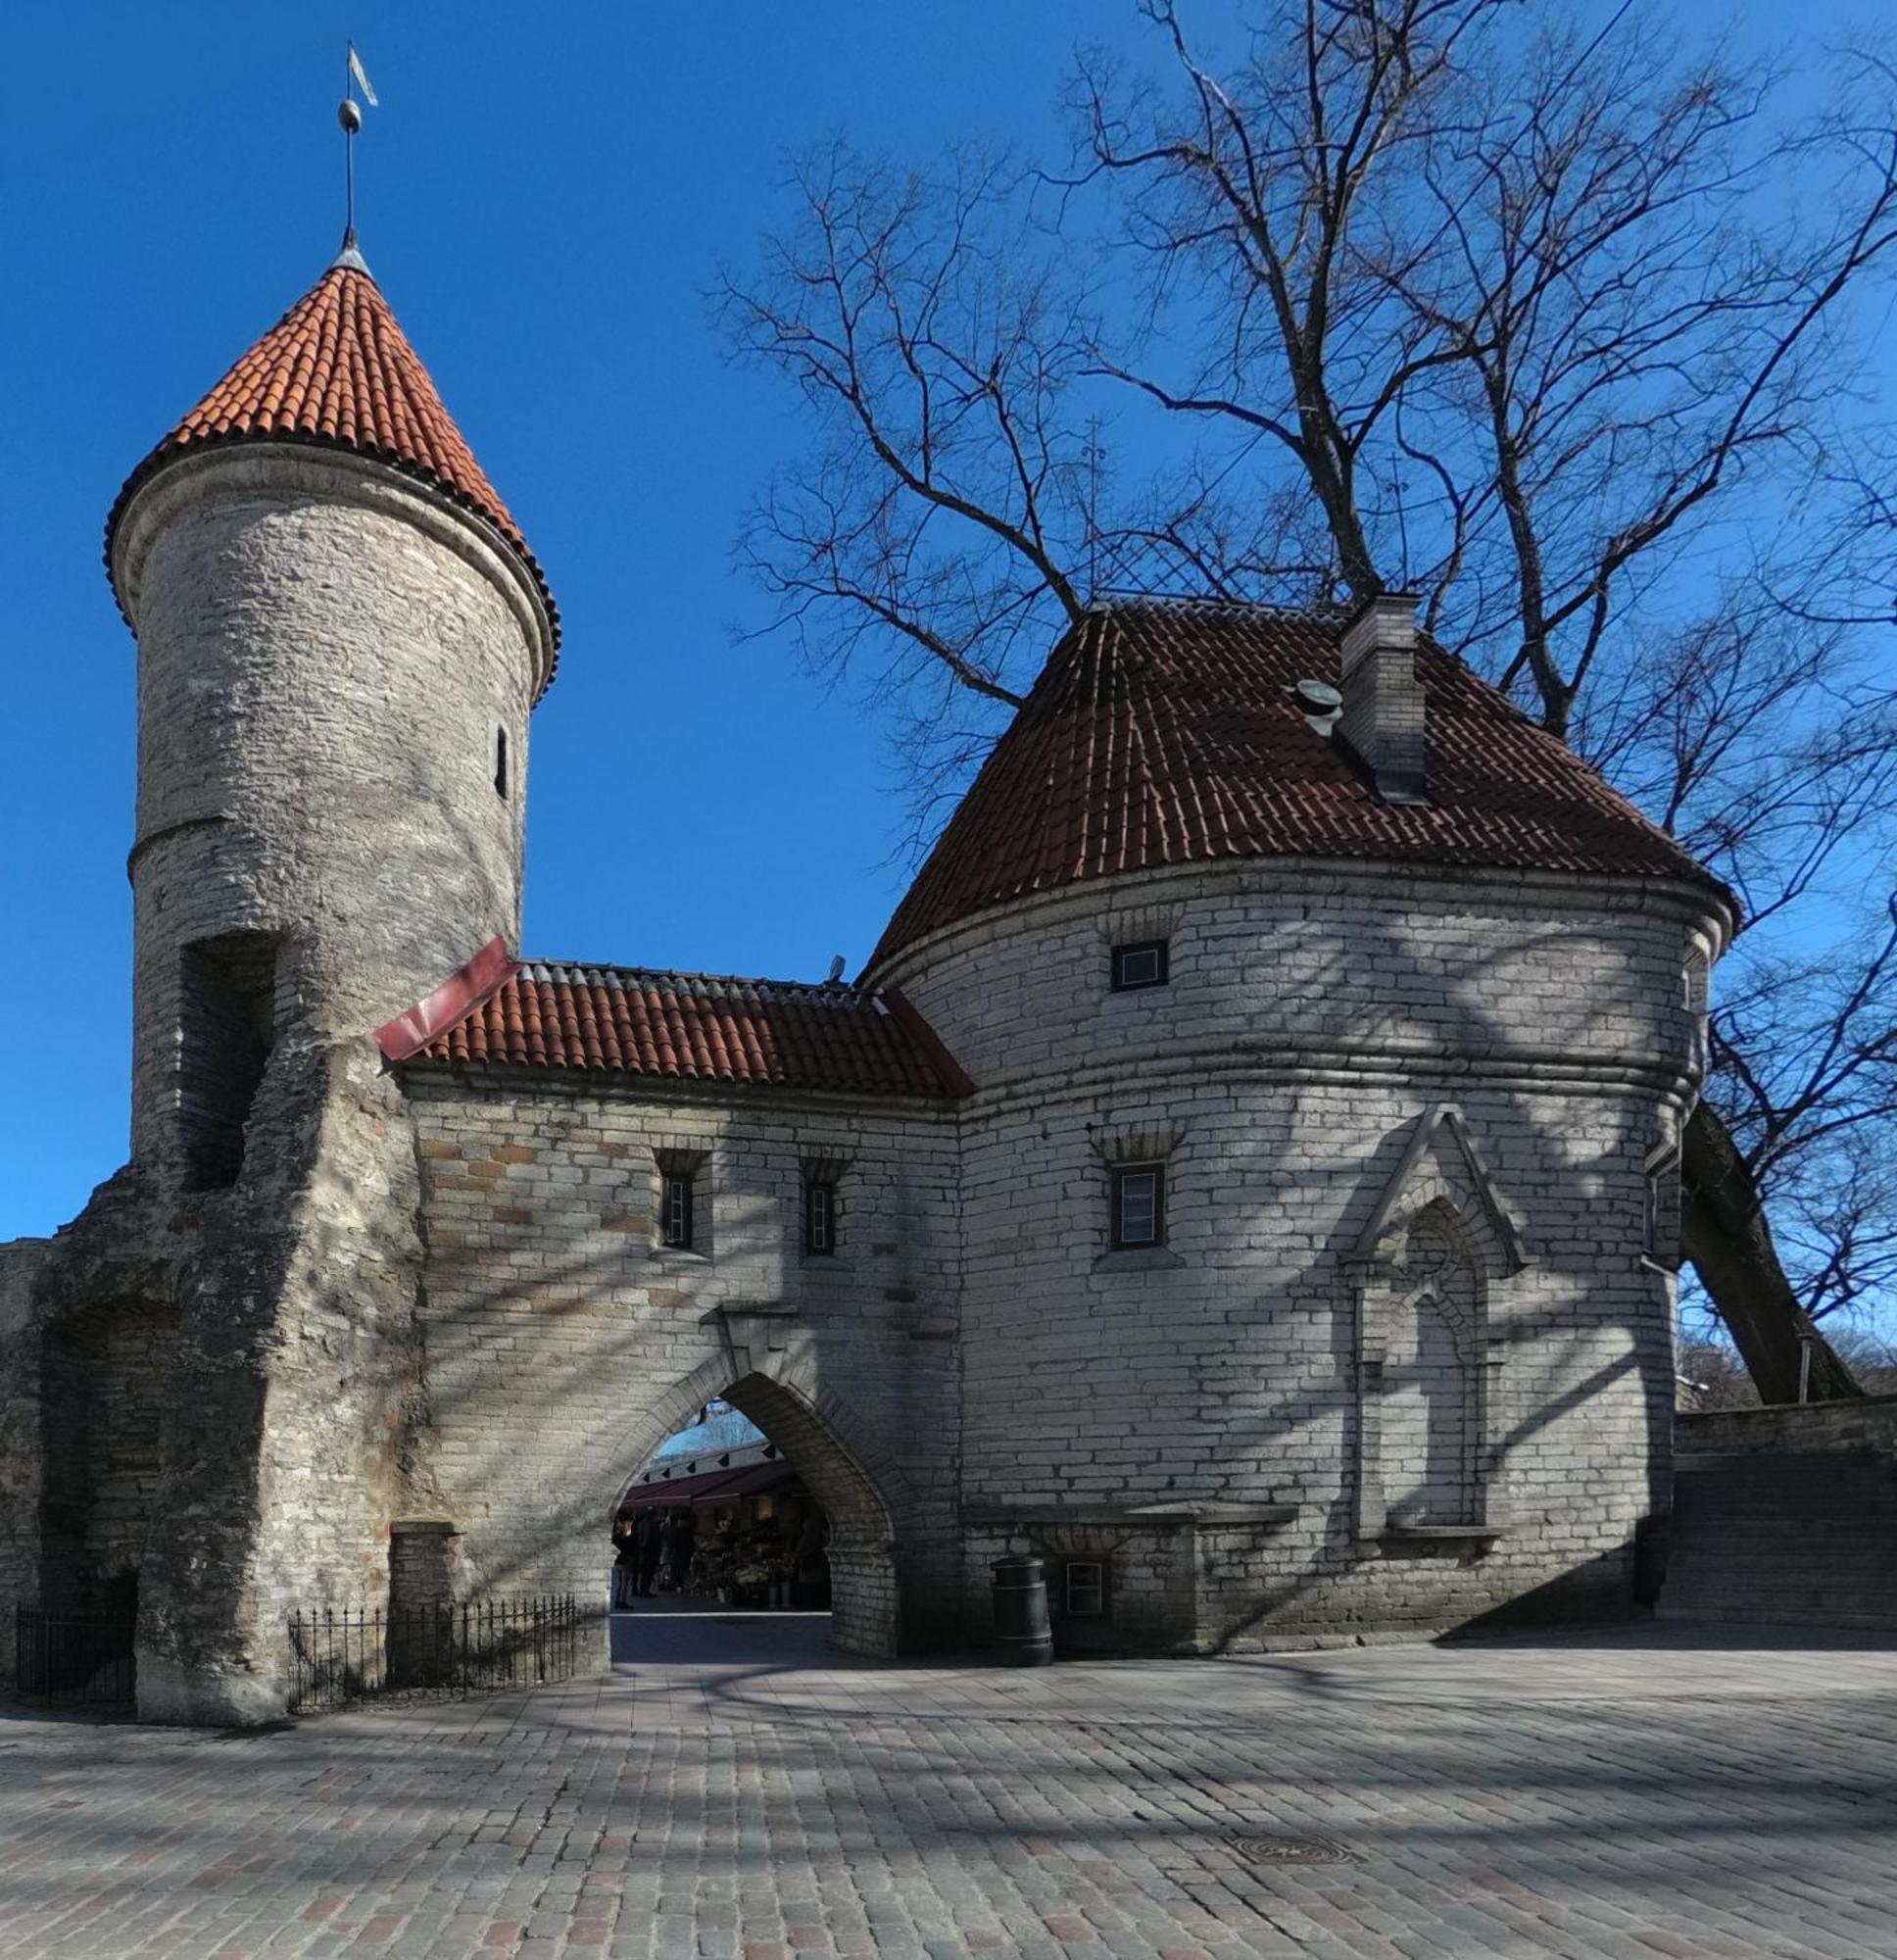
(563, 1343)
(21, 1435)
(108, 1389)
(208, 1389)
(1311, 1019)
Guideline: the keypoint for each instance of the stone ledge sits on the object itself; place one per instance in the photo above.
(1011, 1517)
(1138, 1259)
(1420, 1539)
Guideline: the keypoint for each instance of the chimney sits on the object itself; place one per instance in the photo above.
(1382, 723)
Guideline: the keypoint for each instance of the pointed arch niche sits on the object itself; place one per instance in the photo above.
(1423, 1274)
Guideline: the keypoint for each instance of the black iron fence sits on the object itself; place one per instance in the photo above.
(77, 1656)
(339, 1657)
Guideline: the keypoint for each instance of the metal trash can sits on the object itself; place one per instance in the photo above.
(1021, 1629)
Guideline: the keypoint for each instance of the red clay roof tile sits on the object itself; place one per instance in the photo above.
(336, 371)
(698, 1027)
(1163, 733)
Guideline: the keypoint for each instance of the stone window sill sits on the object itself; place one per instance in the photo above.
(1422, 1540)
(1138, 1259)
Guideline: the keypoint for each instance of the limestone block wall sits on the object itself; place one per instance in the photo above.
(562, 1342)
(21, 1432)
(1313, 1020)
(327, 658)
(107, 1378)
(1865, 1423)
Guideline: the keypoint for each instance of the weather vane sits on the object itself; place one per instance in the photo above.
(350, 114)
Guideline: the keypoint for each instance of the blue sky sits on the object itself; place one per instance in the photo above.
(546, 196)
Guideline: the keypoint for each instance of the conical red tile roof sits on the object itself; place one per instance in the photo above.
(337, 371)
(1164, 733)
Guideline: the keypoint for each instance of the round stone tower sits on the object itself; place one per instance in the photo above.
(341, 635)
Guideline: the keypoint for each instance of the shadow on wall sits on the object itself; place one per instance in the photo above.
(866, 1498)
(1579, 1372)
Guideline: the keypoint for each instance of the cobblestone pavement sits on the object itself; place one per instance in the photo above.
(734, 1790)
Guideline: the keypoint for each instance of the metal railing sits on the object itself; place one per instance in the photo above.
(75, 1656)
(479, 1648)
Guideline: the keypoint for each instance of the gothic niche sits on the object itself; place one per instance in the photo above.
(1431, 1378)
(1421, 1275)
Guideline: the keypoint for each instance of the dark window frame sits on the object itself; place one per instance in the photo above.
(677, 1206)
(1099, 1589)
(1123, 955)
(500, 779)
(1117, 1185)
(820, 1209)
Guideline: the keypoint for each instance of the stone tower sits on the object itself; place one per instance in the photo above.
(341, 634)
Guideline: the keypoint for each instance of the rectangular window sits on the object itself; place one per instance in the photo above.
(1083, 1592)
(675, 1212)
(1141, 964)
(819, 1217)
(501, 763)
(1139, 1206)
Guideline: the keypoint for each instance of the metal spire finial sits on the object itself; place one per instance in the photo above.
(349, 114)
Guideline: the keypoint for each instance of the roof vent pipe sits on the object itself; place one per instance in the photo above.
(1383, 700)
(1319, 703)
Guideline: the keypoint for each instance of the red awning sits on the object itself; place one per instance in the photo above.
(711, 1486)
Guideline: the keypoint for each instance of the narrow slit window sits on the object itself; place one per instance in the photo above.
(1139, 1206)
(675, 1212)
(1660, 1212)
(500, 764)
(819, 1217)
(1142, 963)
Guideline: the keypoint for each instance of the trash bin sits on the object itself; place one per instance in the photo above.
(1021, 1629)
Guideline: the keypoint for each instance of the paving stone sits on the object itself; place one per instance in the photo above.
(1660, 1793)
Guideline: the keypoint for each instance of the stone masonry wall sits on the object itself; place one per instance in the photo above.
(1866, 1422)
(206, 1389)
(563, 1343)
(326, 656)
(21, 1433)
(1312, 1017)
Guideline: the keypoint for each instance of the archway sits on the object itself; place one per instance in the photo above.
(814, 1433)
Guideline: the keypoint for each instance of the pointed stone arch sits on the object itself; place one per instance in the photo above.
(1422, 1273)
(768, 1375)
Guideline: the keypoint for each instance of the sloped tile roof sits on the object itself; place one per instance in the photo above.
(338, 372)
(1162, 733)
(699, 1027)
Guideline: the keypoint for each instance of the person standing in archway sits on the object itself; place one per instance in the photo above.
(624, 1571)
(647, 1548)
(683, 1533)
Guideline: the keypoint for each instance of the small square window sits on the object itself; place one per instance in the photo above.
(1083, 1589)
(1139, 1206)
(819, 1217)
(675, 1212)
(1141, 964)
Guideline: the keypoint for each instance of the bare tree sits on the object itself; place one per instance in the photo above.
(1528, 318)
(1559, 320)
(932, 540)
